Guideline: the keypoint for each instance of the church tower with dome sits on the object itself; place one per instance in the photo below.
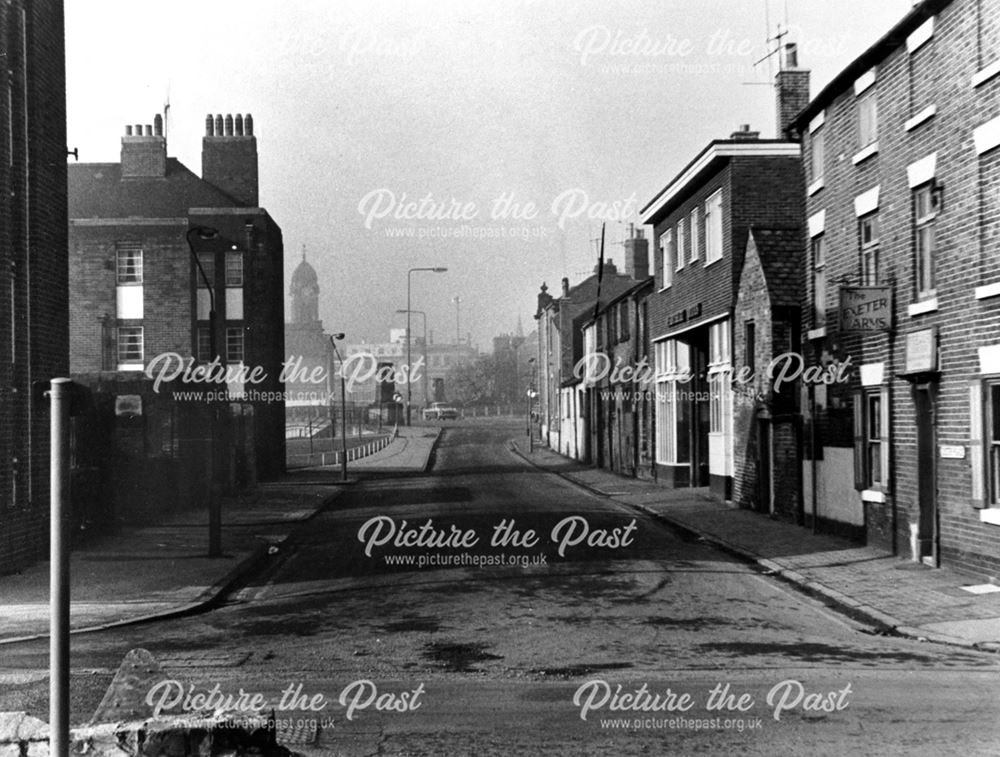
(306, 346)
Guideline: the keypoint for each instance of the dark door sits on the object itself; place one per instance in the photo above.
(701, 420)
(926, 474)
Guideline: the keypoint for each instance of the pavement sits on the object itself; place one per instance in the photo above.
(891, 594)
(142, 573)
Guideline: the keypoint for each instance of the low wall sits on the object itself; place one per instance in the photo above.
(232, 734)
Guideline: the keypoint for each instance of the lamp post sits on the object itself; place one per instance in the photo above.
(424, 315)
(409, 362)
(214, 501)
(343, 407)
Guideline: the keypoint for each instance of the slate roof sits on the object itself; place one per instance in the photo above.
(97, 190)
(781, 253)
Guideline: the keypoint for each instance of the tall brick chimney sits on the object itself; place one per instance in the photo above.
(144, 153)
(229, 156)
(791, 90)
(636, 254)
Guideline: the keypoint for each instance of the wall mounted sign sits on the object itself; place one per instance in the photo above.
(921, 351)
(128, 404)
(865, 308)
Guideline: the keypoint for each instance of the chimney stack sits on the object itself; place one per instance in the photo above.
(229, 156)
(791, 90)
(636, 254)
(144, 152)
(743, 134)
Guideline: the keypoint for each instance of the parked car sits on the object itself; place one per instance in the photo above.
(440, 411)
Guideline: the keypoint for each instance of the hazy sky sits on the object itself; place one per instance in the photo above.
(401, 134)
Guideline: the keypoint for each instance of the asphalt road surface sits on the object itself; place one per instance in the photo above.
(488, 607)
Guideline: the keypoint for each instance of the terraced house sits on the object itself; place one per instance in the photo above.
(902, 157)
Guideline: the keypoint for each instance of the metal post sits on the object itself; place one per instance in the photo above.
(409, 363)
(59, 568)
(343, 424)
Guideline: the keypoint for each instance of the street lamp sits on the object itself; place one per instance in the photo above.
(214, 499)
(409, 362)
(343, 407)
(422, 313)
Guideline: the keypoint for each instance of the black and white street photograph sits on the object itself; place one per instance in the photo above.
(433, 378)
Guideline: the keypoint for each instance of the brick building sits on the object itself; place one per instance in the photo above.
(767, 429)
(137, 294)
(619, 404)
(902, 155)
(561, 401)
(33, 290)
(702, 220)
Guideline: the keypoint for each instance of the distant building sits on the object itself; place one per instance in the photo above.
(135, 291)
(33, 285)
(562, 402)
(309, 354)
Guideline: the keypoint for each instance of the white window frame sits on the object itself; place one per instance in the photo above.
(867, 113)
(129, 264)
(713, 227)
(817, 264)
(680, 239)
(668, 370)
(817, 155)
(666, 259)
(870, 248)
(925, 240)
(234, 269)
(867, 445)
(693, 216)
(130, 352)
(234, 335)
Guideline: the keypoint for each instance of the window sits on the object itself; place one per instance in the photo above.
(871, 439)
(719, 363)
(680, 244)
(819, 281)
(129, 263)
(623, 331)
(130, 344)
(993, 442)
(694, 235)
(672, 359)
(663, 269)
(868, 237)
(925, 208)
(750, 346)
(713, 228)
(207, 260)
(234, 344)
(817, 155)
(669, 258)
(234, 269)
(204, 346)
(867, 118)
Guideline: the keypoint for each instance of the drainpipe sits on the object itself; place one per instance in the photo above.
(815, 467)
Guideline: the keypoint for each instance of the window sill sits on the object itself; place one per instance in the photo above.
(925, 115)
(987, 291)
(665, 288)
(983, 76)
(819, 333)
(816, 186)
(865, 153)
(920, 308)
(712, 262)
(130, 367)
(873, 495)
(990, 515)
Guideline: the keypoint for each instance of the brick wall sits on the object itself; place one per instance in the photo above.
(32, 266)
(939, 73)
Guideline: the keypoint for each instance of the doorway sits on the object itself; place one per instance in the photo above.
(927, 527)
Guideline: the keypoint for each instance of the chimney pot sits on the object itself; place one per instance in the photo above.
(239, 125)
(229, 124)
(248, 125)
(218, 124)
(791, 56)
(743, 134)
(128, 130)
(138, 130)
(209, 125)
(149, 130)
(565, 287)
(158, 125)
